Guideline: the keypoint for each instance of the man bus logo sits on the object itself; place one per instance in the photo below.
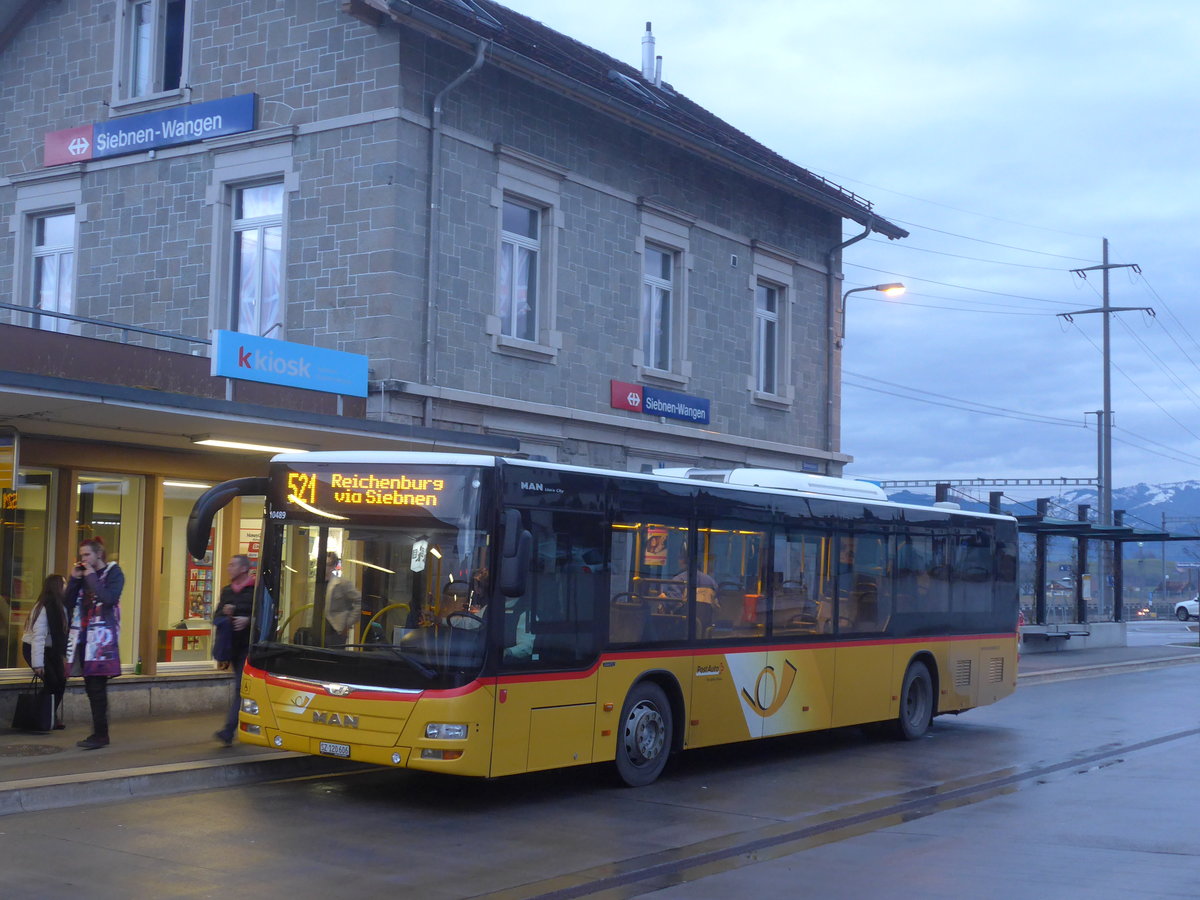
(769, 694)
(324, 718)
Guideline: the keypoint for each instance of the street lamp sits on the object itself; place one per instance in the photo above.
(894, 289)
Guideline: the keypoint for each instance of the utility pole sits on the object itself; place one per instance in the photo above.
(1104, 416)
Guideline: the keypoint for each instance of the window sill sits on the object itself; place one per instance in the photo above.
(531, 350)
(661, 377)
(146, 103)
(771, 401)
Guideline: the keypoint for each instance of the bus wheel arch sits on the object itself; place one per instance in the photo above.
(648, 730)
(918, 698)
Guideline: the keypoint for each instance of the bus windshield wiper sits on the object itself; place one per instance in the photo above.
(399, 654)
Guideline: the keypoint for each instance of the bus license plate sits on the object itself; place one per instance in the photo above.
(330, 749)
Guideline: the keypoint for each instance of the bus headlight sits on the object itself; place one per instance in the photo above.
(445, 732)
(249, 706)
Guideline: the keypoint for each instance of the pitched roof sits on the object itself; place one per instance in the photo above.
(535, 52)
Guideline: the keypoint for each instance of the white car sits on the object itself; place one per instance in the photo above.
(1187, 609)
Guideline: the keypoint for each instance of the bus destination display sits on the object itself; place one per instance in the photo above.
(335, 492)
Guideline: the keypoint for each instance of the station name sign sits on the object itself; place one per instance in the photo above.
(656, 402)
(151, 131)
(248, 357)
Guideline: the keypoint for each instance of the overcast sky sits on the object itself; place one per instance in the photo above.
(1009, 138)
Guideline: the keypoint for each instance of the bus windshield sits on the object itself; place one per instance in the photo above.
(395, 595)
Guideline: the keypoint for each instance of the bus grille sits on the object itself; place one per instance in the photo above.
(962, 673)
(995, 673)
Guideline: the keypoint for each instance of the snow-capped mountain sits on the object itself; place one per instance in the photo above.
(1176, 504)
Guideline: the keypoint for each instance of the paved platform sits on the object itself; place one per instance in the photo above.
(163, 755)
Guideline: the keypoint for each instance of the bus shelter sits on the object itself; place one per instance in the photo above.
(1043, 527)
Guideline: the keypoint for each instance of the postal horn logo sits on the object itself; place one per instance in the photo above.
(770, 691)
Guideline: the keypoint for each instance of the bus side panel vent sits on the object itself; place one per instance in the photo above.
(962, 674)
(995, 670)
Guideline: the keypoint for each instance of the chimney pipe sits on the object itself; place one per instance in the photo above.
(648, 54)
(658, 71)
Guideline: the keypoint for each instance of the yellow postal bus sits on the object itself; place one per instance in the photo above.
(494, 616)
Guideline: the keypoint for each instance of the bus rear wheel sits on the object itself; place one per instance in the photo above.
(644, 738)
(916, 702)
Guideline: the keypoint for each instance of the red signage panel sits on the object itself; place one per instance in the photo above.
(625, 396)
(71, 145)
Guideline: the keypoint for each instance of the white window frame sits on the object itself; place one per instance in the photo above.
(766, 336)
(666, 231)
(776, 270)
(46, 256)
(37, 199)
(511, 247)
(258, 225)
(534, 184)
(132, 49)
(233, 170)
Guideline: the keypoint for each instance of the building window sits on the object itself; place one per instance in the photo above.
(658, 291)
(153, 45)
(766, 337)
(520, 254)
(258, 259)
(54, 269)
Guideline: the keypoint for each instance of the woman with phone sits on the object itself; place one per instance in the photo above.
(93, 602)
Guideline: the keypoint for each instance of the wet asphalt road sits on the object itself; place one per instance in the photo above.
(1071, 788)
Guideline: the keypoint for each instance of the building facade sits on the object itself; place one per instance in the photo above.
(531, 247)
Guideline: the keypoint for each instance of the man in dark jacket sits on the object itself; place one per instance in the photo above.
(233, 620)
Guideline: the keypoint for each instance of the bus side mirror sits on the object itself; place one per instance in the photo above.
(514, 555)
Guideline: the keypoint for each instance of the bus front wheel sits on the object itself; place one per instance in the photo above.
(644, 739)
(916, 702)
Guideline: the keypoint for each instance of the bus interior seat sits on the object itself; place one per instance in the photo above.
(730, 604)
(627, 620)
(668, 627)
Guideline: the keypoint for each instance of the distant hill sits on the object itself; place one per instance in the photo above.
(1145, 505)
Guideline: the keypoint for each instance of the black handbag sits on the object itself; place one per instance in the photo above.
(35, 708)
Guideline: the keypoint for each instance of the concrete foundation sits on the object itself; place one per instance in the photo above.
(1071, 636)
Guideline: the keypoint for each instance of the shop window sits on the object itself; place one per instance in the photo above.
(25, 556)
(109, 507)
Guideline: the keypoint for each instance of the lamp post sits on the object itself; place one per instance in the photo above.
(893, 289)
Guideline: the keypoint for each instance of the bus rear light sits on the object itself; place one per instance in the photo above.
(441, 754)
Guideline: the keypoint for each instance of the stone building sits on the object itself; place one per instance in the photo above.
(494, 238)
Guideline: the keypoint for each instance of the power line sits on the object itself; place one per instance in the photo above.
(961, 287)
(1142, 390)
(957, 403)
(994, 262)
(876, 187)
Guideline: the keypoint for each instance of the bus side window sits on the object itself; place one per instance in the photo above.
(553, 624)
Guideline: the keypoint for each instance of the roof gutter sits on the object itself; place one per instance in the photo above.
(504, 57)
